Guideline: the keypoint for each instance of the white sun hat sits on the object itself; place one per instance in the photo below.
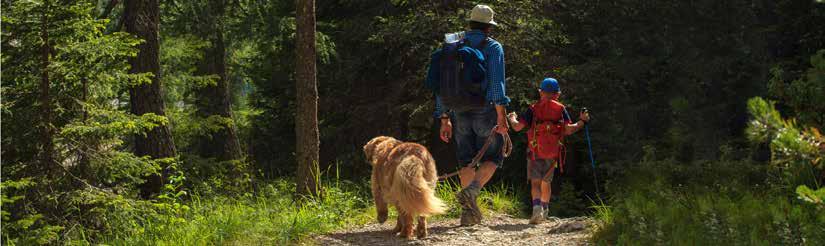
(482, 14)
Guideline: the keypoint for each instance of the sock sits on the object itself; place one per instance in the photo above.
(474, 185)
(536, 202)
(545, 204)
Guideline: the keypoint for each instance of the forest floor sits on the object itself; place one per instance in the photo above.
(497, 229)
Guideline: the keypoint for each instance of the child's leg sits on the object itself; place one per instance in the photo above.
(545, 192)
(536, 191)
(538, 209)
(546, 188)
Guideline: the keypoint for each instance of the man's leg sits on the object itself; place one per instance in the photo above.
(466, 175)
(465, 140)
(484, 173)
(466, 197)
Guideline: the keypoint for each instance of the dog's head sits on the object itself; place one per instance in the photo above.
(375, 150)
(379, 147)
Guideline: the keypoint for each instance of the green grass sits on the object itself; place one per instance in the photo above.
(270, 217)
(499, 198)
(664, 204)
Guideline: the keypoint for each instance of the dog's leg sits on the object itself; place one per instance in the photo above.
(421, 230)
(377, 196)
(398, 223)
(406, 225)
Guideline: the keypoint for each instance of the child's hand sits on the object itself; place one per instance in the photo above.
(584, 116)
(512, 117)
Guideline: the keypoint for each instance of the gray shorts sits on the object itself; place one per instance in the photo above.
(539, 168)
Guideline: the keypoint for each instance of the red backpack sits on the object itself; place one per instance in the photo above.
(546, 133)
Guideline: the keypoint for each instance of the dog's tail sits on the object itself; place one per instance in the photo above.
(413, 192)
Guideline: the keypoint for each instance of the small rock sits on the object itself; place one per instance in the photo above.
(569, 227)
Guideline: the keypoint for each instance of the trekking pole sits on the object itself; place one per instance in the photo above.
(590, 151)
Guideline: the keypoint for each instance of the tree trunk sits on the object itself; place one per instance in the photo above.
(47, 131)
(216, 100)
(306, 117)
(142, 20)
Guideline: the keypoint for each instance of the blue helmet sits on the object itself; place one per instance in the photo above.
(550, 85)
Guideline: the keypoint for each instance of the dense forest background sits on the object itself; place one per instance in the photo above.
(89, 153)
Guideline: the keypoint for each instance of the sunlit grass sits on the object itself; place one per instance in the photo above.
(498, 198)
(274, 216)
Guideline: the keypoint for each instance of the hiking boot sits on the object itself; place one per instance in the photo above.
(466, 219)
(470, 214)
(474, 205)
(538, 215)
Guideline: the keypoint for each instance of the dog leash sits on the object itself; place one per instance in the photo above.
(506, 150)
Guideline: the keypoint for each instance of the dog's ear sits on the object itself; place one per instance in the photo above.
(369, 148)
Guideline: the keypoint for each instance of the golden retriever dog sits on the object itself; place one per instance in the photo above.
(404, 175)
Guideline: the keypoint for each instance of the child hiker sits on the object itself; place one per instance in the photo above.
(547, 122)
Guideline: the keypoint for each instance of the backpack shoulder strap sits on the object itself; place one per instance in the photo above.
(483, 43)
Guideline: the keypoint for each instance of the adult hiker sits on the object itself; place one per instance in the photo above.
(467, 75)
(548, 123)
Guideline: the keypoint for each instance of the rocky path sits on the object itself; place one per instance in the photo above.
(495, 230)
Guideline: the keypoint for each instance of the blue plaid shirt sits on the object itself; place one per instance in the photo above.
(494, 62)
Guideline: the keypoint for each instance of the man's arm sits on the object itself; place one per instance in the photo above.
(496, 87)
(439, 108)
(446, 130)
(501, 119)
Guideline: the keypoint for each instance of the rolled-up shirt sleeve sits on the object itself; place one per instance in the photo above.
(433, 73)
(496, 90)
(439, 108)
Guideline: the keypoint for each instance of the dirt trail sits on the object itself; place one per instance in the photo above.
(495, 230)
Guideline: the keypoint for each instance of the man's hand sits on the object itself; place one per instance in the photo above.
(446, 130)
(502, 126)
(501, 120)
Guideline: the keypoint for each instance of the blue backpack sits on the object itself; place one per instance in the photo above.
(457, 73)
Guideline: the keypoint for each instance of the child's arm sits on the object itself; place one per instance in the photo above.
(517, 125)
(569, 129)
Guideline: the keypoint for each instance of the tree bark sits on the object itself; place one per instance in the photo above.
(306, 117)
(47, 161)
(216, 100)
(142, 20)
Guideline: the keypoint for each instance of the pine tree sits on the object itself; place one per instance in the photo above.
(142, 20)
(306, 117)
(214, 100)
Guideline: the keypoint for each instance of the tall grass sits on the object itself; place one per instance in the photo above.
(705, 204)
(499, 198)
(272, 216)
